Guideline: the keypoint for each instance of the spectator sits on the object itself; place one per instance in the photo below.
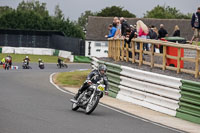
(195, 22)
(112, 28)
(162, 33)
(176, 31)
(152, 35)
(115, 19)
(124, 26)
(118, 32)
(142, 31)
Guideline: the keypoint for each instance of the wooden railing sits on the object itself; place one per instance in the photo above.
(120, 52)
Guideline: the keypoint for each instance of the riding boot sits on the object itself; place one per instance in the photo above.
(77, 95)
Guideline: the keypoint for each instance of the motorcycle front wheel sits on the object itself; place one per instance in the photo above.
(91, 106)
(75, 106)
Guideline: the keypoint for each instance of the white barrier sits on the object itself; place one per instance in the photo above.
(8, 50)
(151, 77)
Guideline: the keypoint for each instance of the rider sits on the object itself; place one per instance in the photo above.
(39, 61)
(59, 61)
(8, 60)
(27, 59)
(94, 77)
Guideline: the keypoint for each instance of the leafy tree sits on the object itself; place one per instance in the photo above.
(58, 13)
(33, 5)
(5, 9)
(83, 19)
(115, 11)
(163, 12)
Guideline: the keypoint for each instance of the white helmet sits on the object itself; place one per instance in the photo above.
(26, 56)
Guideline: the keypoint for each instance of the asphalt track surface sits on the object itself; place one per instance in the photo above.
(29, 103)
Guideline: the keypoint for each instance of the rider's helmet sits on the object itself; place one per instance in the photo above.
(102, 69)
(26, 56)
(39, 59)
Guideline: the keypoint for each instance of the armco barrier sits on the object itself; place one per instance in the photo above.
(144, 88)
(0, 50)
(190, 101)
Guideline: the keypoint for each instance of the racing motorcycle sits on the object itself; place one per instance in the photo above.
(6, 65)
(25, 65)
(89, 99)
(61, 64)
(41, 65)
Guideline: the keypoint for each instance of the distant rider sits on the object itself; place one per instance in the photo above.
(27, 59)
(8, 60)
(59, 61)
(39, 61)
(94, 77)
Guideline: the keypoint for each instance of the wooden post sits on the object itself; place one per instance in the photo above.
(109, 49)
(197, 65)
(141, 54)
(122, 51)
(133, 51)
(164, 56)
(152, 55)
(178, 60)
(115, 49)
(127, 53)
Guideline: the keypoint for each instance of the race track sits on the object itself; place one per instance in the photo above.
(29, 103)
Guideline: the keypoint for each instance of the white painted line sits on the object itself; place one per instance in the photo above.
(117, 110)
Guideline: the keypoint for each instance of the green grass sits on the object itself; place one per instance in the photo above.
(33, 58)
(71, 79)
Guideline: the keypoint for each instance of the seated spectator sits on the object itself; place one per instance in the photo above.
(176, 31)
(112, 28)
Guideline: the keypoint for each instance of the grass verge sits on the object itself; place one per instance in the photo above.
(33, 58)
(71, 79)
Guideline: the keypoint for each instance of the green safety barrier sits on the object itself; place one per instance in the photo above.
(56, 53)
(0, 50)
(82, 59)
(190, 101)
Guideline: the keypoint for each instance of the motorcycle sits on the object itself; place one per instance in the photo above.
(61, 64)
(25, 65)
(89, 99)
(41, 65)
(6, 65)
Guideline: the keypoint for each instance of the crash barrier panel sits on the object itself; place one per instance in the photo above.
(113, 72)
(190, 101)
(144, 88)
(120, 51)
(0, 50)
(82, 59)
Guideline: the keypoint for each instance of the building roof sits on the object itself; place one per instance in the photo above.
(97, 26)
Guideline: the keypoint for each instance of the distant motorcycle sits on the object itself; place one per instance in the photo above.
(89, 99)
(41, 65)
(25, 65)
(6, 65)
(62, 64)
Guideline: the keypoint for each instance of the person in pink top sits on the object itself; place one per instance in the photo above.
(142, 31)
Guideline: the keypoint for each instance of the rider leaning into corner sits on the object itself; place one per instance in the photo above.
(94, 77)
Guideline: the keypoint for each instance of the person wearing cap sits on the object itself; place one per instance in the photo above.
(195, 23)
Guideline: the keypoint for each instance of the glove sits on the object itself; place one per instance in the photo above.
(89, 82)
(106, 93)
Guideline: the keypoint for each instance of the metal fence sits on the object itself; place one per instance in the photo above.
(42, 39)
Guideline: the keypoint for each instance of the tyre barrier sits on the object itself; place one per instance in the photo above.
(165, 94)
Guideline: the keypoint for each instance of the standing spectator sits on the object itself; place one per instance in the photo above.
(118, 32)
(162, 33)
(152, 34)
(142, 31)
(176, 31)
(115, 19)
(112, 28)
(124, 26)
(195, 22)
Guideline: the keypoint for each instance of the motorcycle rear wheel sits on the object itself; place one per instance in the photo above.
(91, 106)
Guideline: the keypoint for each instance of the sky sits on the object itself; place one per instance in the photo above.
(72, 9)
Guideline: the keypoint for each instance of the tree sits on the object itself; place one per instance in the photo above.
(83, 19)
(163, 12)
(5, 9)
(35, 6)
(58, 13)
(115, 11)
